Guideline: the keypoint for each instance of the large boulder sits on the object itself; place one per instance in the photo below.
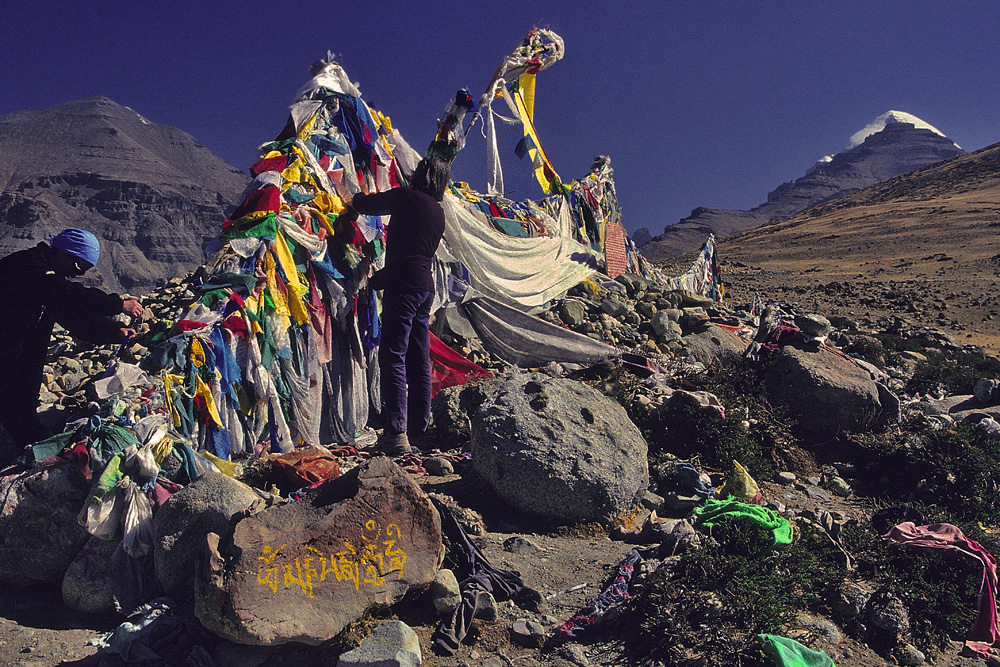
(39, 530)
(713, 344)
(560, 449)
(451, 411)
(89, 583)
(304, 571)
(827, 392)
(211, 504)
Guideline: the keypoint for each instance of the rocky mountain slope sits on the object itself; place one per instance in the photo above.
(152, 193)
(922, 246)
(903, 143)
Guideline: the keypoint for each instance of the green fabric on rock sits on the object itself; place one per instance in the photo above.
(49, 447)
(106, 481)
(787, 652)
(714, 512)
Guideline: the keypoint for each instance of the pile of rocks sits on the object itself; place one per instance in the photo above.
(546, 448)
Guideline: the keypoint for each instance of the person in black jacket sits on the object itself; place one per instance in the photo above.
(35, 293)
(412, 238)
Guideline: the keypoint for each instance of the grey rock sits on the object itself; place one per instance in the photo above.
(70, 365)
(211, 504)
(445, 592)
(813, 325)
(983, 390)
(676, 503)
(892, 407)
(785, 478)
(554, 369)
(827, 393)
(88, 585)
(575, 654)
(651, 501)
(520, 545)
(840, 487)
(713, 344)
(816, 493)
(614, 307)
(694, 316)
(304, 571)
(701, 401)
(645, 309)
(826, 629)
(391, 644)
(660, 322)
(572, 312)
(39, 530)
(487, 608)
(558, 448)
(888, 614)
(438, 466)
(453, 407)
(847, 470)
(71, 381)
(526, 632)
(675, 536)
(909, 655)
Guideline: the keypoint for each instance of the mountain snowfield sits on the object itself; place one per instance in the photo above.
(894, 143)
(879, 124)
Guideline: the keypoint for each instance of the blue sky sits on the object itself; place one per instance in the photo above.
(698, 103)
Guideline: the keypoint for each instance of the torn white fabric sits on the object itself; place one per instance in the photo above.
(524, 272)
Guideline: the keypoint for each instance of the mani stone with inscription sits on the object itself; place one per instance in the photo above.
(304, 571)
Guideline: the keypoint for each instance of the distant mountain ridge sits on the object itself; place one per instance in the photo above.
(152, 193)
(893, 144)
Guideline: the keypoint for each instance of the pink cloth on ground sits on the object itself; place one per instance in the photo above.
(984, 632)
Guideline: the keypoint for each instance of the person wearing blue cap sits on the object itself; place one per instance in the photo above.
(35, 293)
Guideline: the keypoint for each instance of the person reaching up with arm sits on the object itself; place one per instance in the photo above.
(413, 234)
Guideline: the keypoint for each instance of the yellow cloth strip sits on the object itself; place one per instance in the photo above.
(175, 415)
(205, 393)
(526, 86)
(538, 156)
(280, 307)
(297, 288)
(197, 353)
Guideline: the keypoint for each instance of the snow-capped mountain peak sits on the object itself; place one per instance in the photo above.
(888, 117)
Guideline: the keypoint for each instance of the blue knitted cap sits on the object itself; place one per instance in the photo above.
(79, 243)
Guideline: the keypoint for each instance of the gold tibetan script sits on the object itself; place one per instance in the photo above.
(377, 556)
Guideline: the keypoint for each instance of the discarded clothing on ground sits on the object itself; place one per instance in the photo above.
(740, 486)
(613, 595)
(787, 652)
(985, 631)
(718, 512)
(476, 576)
(155, 633)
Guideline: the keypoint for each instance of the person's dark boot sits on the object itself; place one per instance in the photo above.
(393, 444)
